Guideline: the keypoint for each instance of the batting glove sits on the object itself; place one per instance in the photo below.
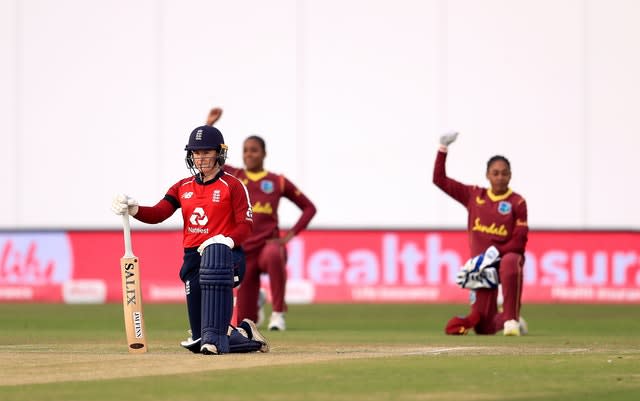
(124, 204)
(216, 239)
(448, 138)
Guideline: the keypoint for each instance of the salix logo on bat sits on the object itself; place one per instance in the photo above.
(130, 282)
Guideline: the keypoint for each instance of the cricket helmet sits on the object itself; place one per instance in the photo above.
(205, 137)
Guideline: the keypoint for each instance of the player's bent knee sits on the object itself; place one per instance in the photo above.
(510, 263)
(457, 326)
(216, 266)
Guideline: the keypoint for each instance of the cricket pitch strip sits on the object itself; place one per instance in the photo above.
(31, 364)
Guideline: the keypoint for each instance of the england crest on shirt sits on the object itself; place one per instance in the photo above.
(266, 186)
(504, 207)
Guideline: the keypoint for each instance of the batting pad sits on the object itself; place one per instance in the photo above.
(216, 284)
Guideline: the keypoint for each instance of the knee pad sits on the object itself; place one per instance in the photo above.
(216, 285)
(216, 266)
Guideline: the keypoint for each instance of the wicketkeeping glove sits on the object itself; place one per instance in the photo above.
(448, 138)
(123, 203)
(216, 239)
(490, 257)
(488, 278)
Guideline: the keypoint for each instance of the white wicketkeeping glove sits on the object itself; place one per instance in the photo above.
(123, 203)
(216, 239)
(478, 263)
(488, 278)
(448, 138)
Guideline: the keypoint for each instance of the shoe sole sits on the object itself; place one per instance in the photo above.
(256, 336)
(193, 346)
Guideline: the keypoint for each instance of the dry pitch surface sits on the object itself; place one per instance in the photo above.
(29, 364)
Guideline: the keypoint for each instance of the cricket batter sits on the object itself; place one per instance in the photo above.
(217, 218)
(497, 217)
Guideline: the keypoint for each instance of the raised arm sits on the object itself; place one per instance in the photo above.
(451, 187)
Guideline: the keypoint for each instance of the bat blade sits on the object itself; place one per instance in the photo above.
(132, 304)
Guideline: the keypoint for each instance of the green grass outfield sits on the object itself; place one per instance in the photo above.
(330, 352)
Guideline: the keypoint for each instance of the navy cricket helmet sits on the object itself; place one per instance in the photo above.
(205, 137)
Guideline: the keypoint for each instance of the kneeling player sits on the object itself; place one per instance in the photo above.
(217, 214)
(480, 274)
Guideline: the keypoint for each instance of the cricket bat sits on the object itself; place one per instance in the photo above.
(132, 294)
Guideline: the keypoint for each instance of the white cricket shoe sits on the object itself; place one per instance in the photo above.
(262, 299)
(249, 327)
(277, 321)
(209, 349)
(524, 327)
(191, 344)
(511, 328)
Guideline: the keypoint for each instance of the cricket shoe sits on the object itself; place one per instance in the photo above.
(209, 349)
(524, 327)
(276, 322)
(253, 334)
(511, 328)
(191, 344)
(262, 300)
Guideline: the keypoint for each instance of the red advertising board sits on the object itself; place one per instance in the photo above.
(324, 266)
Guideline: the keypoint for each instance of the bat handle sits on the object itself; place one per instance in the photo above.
(128, 250)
